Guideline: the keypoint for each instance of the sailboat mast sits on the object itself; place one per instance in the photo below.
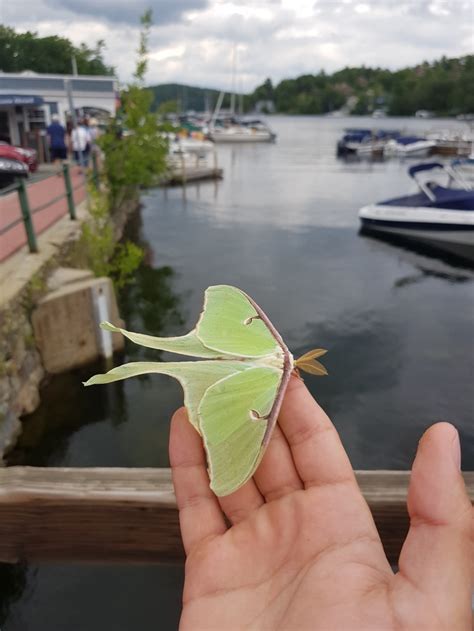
(232, 87)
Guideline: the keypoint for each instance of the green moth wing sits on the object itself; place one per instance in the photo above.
(232, 323)
(236, 414)
(195, 378)
(188, 344)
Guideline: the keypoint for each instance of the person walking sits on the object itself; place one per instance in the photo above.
(80, 140)
(57, 143)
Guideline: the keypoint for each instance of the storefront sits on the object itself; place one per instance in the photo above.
(28, 100)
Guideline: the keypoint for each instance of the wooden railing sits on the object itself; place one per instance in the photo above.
(130, 515)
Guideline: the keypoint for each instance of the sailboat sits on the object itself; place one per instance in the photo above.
(237, 129)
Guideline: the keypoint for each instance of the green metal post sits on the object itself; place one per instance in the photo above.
(26, 214)
(69, 194)
(95, 171)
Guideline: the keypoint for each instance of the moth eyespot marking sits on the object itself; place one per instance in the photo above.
(249, 320)
(255, 416)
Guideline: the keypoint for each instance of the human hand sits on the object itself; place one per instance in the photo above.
(303, 552)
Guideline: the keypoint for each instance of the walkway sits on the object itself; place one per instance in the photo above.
(39, 193)
(18, 270)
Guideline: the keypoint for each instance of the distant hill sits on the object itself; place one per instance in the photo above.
(444, 87)
(188, 97)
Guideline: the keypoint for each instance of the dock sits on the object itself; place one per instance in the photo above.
(130, 516)
(192, 174)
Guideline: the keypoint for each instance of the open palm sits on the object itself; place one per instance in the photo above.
(302, 550)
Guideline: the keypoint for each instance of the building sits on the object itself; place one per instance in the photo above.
(28, 100)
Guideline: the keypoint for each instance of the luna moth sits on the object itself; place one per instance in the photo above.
(234, 394)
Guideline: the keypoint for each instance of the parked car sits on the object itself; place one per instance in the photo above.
(10, 170)
(28, 156)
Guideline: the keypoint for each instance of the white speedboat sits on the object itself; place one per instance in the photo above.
(439, 216)
(408, 147)
(242, 132)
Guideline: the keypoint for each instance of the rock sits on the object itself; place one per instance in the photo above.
(10, 429)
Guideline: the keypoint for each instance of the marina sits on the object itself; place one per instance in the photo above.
(198, 202)
(283, 224)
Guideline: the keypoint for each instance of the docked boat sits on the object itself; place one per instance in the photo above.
(241, 131)
(408, 147)
(439, 216)
(365, 142)
(464, 168)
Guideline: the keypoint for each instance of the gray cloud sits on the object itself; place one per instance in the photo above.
(192, 40)
(126, 11)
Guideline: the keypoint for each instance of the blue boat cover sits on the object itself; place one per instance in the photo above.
(387, 133)
(357, 130)
(449, 198)
(424, 166)
(359, 136)
(409, 140)
(460, 161)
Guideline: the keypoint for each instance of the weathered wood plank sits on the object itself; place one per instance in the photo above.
(129, 515)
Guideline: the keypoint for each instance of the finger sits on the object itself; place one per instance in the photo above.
(317, 450)
(437, 556)
(200, 515)
(276, 476)
(242, 503)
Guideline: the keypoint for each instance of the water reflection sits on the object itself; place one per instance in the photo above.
(13, 582)
(47, 433)
(52, 433)
(430, 260)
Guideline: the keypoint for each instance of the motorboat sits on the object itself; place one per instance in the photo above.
(241, 131)
(408, 147)
(440, 216)
(365, 142)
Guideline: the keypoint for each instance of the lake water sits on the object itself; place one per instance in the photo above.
(283, 226)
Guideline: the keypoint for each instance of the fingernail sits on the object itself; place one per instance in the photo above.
(456, 449)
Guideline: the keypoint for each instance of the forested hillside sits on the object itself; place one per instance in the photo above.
(445, 87)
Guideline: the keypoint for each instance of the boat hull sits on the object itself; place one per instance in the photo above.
(414, 150)
(447, 230)
(244, 138)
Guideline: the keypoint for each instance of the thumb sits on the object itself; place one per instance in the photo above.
(437, 556)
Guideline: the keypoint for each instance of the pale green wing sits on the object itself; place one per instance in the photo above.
(231, 324)
(194, 377)
(233, 417)
(188, 344)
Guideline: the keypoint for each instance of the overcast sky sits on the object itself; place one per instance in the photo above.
(192, 40)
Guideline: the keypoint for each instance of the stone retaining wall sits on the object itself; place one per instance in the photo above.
(21, 367)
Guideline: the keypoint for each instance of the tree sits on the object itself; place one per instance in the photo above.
(445, 87)
(135, 149)
(27, 51)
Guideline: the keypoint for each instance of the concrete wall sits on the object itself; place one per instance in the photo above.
(22, 368)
